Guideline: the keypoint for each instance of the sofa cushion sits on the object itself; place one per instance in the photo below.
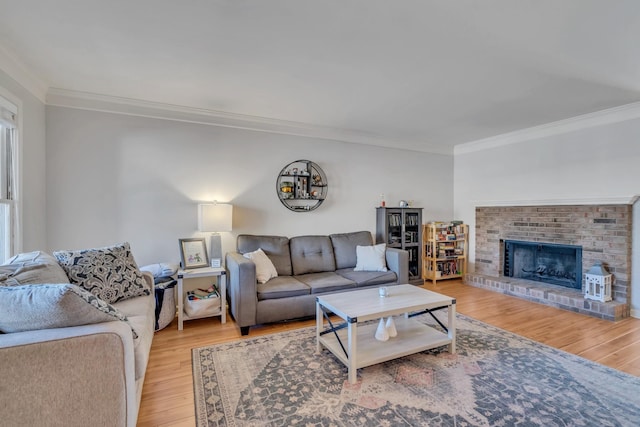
(48, 306)
(368, 278)
(311, 254)
(265, 270)
(344, 247)
(282, 287)
(371, 258)
(276, 248)
(109, 273)
(327, 281)
(30, 268)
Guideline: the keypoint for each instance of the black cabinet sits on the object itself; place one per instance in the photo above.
(402, 228)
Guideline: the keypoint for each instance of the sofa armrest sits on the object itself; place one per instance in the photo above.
(67, 376)
(242, 289)
(398, 262)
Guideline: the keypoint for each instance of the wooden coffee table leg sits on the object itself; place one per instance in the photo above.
(352, 329)
(451, 326)
(319, 325)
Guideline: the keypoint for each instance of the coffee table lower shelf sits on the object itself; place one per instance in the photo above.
(412, 337)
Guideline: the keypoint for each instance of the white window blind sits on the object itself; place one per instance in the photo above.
(8, 205)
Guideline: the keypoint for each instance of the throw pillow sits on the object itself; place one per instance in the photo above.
(48, 306)
(109, 273)
(265, 269)
(31, 267)
(371, 258)
(163, 269)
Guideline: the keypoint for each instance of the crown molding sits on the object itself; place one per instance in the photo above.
(622, 200)
(585, 121)
(10, 64)
(135, 107)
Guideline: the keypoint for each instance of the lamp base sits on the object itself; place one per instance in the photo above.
(216, 250)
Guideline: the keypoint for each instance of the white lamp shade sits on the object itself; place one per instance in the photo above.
(215, 217)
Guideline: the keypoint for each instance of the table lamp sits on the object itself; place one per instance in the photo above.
(215, 217)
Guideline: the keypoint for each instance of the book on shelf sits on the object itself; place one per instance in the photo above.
(199, 293)
(448, 268)
(395, 220)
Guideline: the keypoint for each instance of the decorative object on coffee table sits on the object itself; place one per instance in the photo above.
(391, 327)
(381, 331)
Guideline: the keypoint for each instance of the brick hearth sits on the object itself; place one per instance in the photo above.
(604, 232)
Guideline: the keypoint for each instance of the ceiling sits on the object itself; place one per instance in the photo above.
(422, 75)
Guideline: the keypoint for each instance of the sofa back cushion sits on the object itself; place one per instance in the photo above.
(31, 268)
(311, 254)
(344, 247)
(275, 247)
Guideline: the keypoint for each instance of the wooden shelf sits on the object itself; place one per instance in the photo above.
(412, 337)
(440, 243)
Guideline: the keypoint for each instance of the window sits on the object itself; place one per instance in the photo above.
(8, 163)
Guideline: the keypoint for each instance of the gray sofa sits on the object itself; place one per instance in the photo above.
(306, 266)
(88, 374)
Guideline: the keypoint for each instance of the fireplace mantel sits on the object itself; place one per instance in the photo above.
(599, 201)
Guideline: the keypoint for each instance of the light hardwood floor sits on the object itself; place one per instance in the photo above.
(167, 395)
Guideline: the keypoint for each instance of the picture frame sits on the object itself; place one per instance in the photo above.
(193, 253)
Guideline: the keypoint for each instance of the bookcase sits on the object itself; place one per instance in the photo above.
(402, 228)
(445, 250)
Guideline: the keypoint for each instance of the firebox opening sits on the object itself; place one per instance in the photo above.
(544, 262)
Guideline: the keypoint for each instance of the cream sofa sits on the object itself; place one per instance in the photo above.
(87, 375)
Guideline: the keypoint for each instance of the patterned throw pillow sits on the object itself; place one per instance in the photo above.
(109, 273)
(48, 306)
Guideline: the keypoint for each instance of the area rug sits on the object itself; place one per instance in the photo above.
(496, 378)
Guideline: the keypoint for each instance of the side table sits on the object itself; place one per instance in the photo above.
(185, 276)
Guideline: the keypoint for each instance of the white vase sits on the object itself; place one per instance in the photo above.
(391, 327)
(381, 331)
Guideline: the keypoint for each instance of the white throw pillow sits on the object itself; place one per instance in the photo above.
(265, 269)
(371, 258)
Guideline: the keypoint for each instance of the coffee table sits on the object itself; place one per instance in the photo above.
(356, 346)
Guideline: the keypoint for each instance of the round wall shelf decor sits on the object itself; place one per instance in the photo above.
(302, 186)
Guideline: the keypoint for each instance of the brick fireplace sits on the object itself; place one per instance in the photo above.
(602, 231)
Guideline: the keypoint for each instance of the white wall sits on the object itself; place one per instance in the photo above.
(113, 178)
(33, 163)
(599, 163)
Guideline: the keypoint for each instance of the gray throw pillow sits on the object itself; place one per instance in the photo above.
(48, 306)
(31, 267)
(109, 273)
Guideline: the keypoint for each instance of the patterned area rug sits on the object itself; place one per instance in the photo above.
(495, 379)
